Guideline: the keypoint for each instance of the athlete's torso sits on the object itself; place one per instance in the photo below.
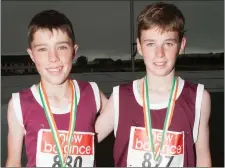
(131, 145)
(40, 147)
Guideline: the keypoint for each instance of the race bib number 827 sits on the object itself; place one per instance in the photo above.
(141, 155)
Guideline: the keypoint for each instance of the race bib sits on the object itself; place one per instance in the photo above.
(141, 155)
(81, 153)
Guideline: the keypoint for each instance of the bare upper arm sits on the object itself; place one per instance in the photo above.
(15, 137)
(202, 144)
(103, 100)
(105, 122)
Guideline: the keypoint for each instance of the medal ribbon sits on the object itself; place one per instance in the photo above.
(52, 124)
(147, 115)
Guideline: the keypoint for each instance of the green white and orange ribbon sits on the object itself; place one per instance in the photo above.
(147, 115)
(52, 124)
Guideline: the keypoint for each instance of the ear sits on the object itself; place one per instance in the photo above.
(29, 51)
(75, 50)
(182, 45)
(139, 47)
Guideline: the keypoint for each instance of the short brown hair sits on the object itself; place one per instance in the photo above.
(165, 16)
(50, 19)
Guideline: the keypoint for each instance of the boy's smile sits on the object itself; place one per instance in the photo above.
(159, 50)
(52, 53)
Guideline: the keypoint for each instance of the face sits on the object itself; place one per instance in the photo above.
(159, 50)
(52, 53)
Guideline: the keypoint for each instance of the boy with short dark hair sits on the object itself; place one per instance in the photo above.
(57, 115)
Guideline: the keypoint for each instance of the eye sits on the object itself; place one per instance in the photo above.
(169, 44)
(150, 44)
(62, 47)
(42, 49)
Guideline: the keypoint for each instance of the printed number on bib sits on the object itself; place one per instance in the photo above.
(69, 162)
(81, 151)
(141, 155)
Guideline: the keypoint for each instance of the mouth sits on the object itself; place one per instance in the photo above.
(159, 64)
(55, 70)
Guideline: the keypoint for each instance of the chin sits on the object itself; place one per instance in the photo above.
(161, 73)
(55, 81)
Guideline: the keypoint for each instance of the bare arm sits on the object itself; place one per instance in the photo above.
(104, 101)
(15, 138)
(105, 122)
(202, 144)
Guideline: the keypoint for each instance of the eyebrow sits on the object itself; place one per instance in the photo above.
(169, 39)
(148, 40)
(64, 42)
(38, 45)
(44, 44)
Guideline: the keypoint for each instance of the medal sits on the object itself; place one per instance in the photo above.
(147, 115)
(52, 124)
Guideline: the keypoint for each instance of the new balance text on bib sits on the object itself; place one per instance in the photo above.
(140, 153)
(81, 150)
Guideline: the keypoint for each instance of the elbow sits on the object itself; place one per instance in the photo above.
(98, 136)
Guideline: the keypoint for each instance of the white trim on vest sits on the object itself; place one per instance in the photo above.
(56, 110)
(116, 108)
(162, 105)
(77, 89)
(17, 109)
(198, 103)
(96, 94)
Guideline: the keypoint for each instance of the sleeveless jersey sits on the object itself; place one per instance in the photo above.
(40, 146)
(131, 148)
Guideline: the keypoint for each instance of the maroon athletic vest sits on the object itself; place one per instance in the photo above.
(34, 117)
(131, 114)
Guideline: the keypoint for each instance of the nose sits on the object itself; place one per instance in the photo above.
(160, 51)
(53, 56)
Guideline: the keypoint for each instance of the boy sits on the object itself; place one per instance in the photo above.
(57, 115)
(159, 120)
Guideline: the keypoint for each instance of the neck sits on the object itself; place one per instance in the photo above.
(160, 83)
(56, 91)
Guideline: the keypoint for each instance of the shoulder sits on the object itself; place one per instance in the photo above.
(82, 84)
(125, 86)
(90, 90)
(23, 95)
(190, 84)
(86, 86)
(193, 89)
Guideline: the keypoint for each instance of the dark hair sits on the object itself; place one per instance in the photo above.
(165, 16)
(50, 19)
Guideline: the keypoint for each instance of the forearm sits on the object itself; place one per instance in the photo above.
(12, 163)
(203, 159)
(105, 122)
(103, 129)
(14, 149)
